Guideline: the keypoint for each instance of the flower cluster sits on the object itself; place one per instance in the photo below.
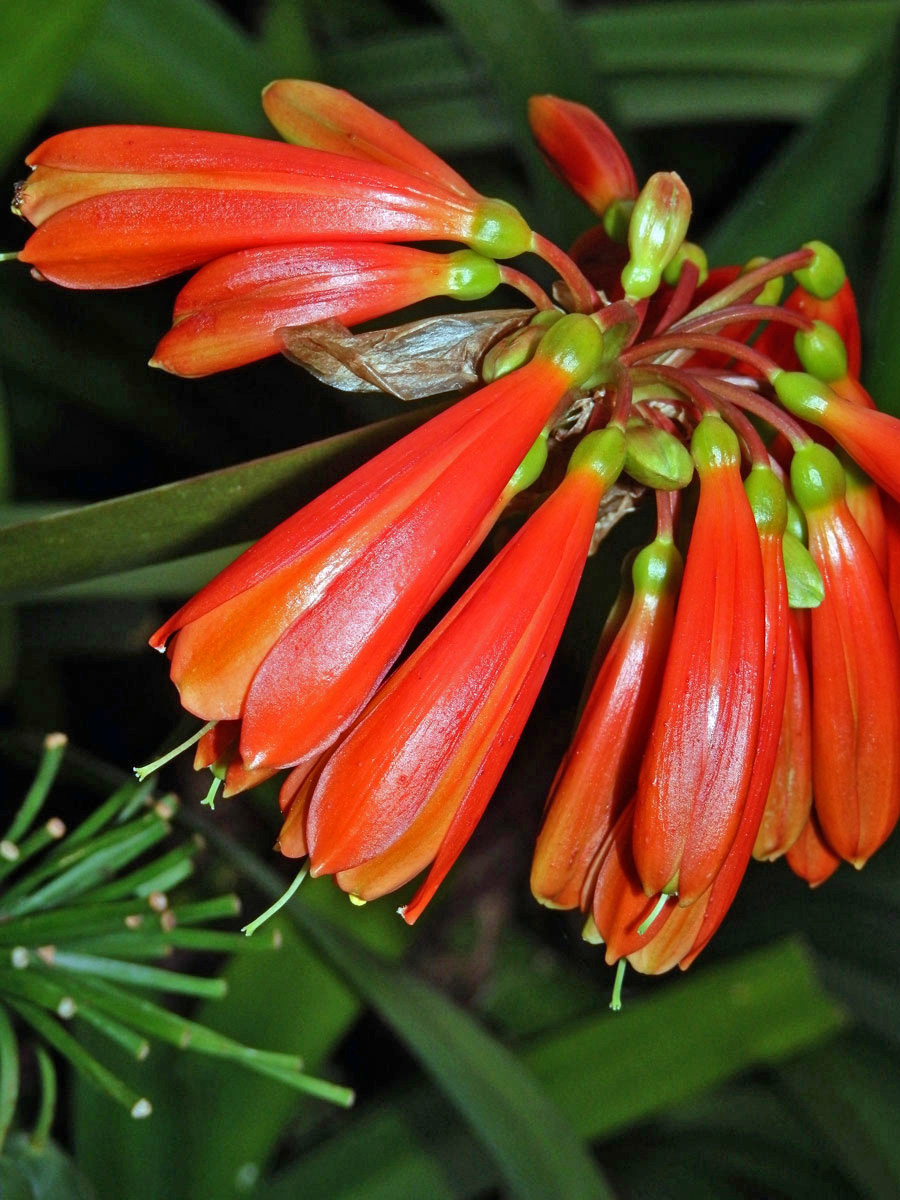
(745, 695)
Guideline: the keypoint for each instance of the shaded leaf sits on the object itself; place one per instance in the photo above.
(193, 515)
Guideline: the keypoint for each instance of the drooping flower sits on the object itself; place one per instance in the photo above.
(320, 608)
(687, 756)
(696, 770)
(410, 781)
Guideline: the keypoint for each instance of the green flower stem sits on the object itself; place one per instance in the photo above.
(52, 831)
(37, 929)
(207, 910)
(133, 943)
(117, 849)
(40, 1135)
(216, 941)
(101, 817)
(158, 1022)
(135, 1045)
(158, 876)
(139, 975)
(54, 748)
(321, 1088)
(63, 1042)
(9, 1074)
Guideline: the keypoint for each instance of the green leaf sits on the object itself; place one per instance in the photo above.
(50, 1173)
(882, 368)
(196, 514)
(42, 41)
(817, 186)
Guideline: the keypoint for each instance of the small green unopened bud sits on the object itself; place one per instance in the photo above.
(804, 583)
(768, 500)
(531, 466)
(687, 252)
(772, 289)
(498, 230)
(602, 452)
(825, 275)
(796, 522)
(511, 352)
(657, 228)
(657, 569)
(575, 345)
(616, 220)
(821, 351)
(714, 444)
(470, 276)
(817, 477)
(801, 394)
(656, 458)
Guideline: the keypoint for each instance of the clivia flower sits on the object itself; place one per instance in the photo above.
(713, 728)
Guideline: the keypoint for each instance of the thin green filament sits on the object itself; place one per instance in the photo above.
(616, 1002)
(210, 798)
(143, 772)
(279, 903)
(648, 921)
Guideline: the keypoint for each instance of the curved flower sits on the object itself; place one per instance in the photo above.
(598, 775)
(117, 206)
(696, 771)
(230, 312)
(855, 670)
(408, 784)
(296, 634)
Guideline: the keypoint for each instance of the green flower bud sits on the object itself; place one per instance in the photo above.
(602, 452)
(499, 231)
(817, 477)
(656, 458)
(511, 352)
(801, 394)
(657, 228)
(821, 351)
(768, 500)
(575, 345)
(825, 275)
(772, 289)
(657, 569)
(804, 583)
(471, 276)
(616, 220)
(687, 252)
(714, 444)
(531, 466)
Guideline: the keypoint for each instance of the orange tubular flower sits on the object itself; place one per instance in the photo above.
(293, 637)
(409, 783)
(599, 772)
(583, 151)
(790, 792)
(230, 312)
(118, 206)
(855, 670)
(695, 774)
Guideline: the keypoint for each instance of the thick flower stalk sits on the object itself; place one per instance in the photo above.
(721, 720)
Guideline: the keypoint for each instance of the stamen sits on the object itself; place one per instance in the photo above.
(616, 1002)
(143, 772)
(210, 797)
(582, 291)
(279, 903)
(648, 921)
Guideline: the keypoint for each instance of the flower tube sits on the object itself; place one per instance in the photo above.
(409, 783)
(696, 771)
(118, 206)
(230, 312)
(297, 633)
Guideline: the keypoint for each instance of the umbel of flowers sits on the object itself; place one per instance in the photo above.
(745, 694)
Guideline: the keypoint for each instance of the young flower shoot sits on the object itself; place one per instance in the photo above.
(744, 700)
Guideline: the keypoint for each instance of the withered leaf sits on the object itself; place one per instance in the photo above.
(422, 358)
